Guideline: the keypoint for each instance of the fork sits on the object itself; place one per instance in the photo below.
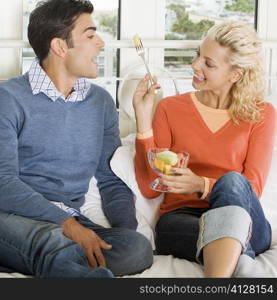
(141, 52)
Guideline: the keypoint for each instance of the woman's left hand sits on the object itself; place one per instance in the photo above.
(186, 182)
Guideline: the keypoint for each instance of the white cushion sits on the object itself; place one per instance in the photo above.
(122, 165)
(92, 209)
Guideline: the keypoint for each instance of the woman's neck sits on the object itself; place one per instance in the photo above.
(213, 100)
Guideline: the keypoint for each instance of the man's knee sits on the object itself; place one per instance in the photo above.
(131, 252)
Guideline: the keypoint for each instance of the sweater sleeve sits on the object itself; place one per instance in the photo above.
(16, 197)
(117, 199)
(162, 133)
(260, 149)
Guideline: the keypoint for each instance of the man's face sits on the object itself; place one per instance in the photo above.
(80, 59)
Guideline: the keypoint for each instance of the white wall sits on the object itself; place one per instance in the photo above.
(147, 19)
(267, 24)
(10, 29)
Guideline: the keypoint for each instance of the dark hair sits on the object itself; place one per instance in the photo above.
(54, 19)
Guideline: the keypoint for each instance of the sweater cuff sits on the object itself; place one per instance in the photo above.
(145, 135)
(206, 188)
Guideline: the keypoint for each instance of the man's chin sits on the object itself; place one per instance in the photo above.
(92, 76)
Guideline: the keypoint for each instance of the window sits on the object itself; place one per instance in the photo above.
(106, 19)
(153, 20)
(190, 20)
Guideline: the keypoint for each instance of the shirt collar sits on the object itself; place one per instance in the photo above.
(41, 83)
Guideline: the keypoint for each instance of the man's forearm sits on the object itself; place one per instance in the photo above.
(18, 198)
(118, 203)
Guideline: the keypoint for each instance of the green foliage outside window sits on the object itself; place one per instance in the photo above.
(246, 6)
(108, 23)
(184, 26)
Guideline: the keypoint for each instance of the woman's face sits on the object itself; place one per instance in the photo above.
(212, 71)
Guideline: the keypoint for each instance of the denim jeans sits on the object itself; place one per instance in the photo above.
(234, 211)
(39, 248)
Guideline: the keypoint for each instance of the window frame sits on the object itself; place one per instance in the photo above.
(130, 13)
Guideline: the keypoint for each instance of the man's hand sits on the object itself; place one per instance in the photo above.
(89, 241)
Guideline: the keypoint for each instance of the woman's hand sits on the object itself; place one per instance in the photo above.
(184, 182)
(143, 103)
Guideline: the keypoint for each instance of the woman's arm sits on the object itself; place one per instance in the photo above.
(260, 149)
(143, 102)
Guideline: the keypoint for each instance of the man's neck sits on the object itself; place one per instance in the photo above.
(58, 74)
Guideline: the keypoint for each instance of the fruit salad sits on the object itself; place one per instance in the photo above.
(166, 160)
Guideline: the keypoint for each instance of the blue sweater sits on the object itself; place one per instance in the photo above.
(49, 151)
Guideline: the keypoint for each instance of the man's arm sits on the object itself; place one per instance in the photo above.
(15, 196)
(117, 199)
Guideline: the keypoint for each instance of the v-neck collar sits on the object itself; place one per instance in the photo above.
(202, 121)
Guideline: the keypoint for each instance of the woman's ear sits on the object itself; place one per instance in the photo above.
(59, 47)
(237, 74)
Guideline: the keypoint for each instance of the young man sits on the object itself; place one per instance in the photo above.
(57, 131)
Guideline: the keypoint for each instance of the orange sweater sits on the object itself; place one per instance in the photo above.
(245, 148)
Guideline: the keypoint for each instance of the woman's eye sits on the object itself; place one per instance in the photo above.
(209, 66)
(91, 37)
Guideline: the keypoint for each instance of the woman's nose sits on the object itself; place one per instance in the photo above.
(195, 65)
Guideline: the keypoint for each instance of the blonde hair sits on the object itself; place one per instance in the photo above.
(247, 94)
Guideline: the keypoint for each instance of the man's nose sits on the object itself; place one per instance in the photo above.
(100, 42)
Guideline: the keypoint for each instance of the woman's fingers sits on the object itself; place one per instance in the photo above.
(143, 85)
(173, 184)
(176, 178)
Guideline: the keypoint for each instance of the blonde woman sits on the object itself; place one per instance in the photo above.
(211, 213)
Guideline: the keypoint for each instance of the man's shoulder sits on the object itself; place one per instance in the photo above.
(99, 93)
(15, 86)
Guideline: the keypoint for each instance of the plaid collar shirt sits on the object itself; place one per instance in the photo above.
(41, 83)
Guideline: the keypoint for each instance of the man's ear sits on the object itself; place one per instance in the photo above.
(237, 74)
(59, 47)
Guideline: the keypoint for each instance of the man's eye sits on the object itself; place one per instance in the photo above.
(91, 37)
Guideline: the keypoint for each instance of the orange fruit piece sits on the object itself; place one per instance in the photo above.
(159, 164)
(167, 169)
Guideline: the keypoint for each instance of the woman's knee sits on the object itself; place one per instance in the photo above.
(232, 181)
(231, 189)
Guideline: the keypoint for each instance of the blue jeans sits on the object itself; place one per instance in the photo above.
(234, 211)
(40, 249)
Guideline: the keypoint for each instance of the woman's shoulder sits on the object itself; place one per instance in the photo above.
(269, 110)
(176, 99)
